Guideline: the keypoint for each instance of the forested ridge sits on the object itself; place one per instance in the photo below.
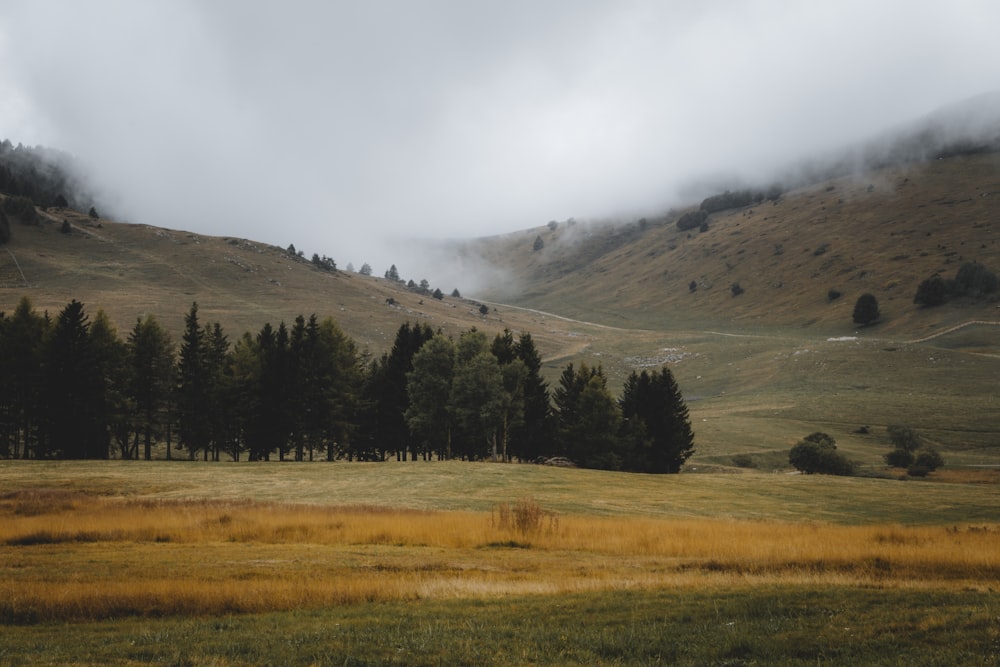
(71, 387)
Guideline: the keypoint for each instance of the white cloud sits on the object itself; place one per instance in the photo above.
(336, 125)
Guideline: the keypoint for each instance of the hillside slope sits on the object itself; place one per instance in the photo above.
(130, 270)
(882, 232)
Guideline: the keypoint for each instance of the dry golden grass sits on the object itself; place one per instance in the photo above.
(71, 556)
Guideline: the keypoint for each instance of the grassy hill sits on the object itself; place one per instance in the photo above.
(759, 370)
(882, 232)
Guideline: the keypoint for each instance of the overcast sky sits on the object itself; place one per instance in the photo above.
(339, 125)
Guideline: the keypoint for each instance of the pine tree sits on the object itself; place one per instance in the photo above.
(194, 424)
(73, 391)
(656, 422)
(150, 361)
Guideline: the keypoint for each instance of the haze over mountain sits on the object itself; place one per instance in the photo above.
(341, 127)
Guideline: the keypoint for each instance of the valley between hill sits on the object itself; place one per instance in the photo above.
(759, 370)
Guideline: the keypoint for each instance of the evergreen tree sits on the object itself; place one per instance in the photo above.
(116, 410)
(587, 418)
(866, 310)
(150, 362)
(384, 425)
(656, 422)
(22, 337)
(72, 395)
(532, 437)
(194, 423)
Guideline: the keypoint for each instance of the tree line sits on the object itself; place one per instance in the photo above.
(71, 388)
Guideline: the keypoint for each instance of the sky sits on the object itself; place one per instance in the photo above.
(351, 128)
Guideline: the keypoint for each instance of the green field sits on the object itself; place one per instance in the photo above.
(735, 568)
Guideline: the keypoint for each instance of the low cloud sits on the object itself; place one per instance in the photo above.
(343, 126)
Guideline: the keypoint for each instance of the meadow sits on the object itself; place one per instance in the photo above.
(463, 563)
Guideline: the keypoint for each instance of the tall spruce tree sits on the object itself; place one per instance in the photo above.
(73, 391)
(194, 423)
(657, 426)
(150, 362)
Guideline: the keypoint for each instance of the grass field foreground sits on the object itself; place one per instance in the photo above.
(185, 563)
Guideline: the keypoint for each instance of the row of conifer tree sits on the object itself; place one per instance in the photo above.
(72, 388)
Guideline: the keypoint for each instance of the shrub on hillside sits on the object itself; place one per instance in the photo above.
(4, 228)
(691, 220)
(904, 437)
(975, 280)
(899, 458)
(932, 292)
(817, 453)
(927, 461)
(866, 310)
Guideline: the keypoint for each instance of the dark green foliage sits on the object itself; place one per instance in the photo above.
(539, 243)
(382, 427)
(730, 200)
(366, 269)
(736, 289)
(975, 280)
(75, 426)
(65, 227)
(455, 293)
(323, 263)
(657, 436)
(927, 461)
(743, 461)
(428, 389)
(392, 273)
(150, 377)
(972, 280)
(530, 438)
(484, 309)
(22, 407)
(587, 419)
(4, 228)
(692, 286)
(899, 458)
(691, 220)
(43, 176)
(866, 310)
(93, 213)
(932, 292)
(817, 453)
(833, 295)
(21, 209)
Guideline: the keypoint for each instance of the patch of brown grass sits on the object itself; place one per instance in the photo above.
(103, 558)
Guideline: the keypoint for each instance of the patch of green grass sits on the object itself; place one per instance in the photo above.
(779, 626)
(456, 485)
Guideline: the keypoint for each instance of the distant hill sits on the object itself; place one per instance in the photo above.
(130, 270)
(881, 232)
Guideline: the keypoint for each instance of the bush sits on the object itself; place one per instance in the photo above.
(866, 310)
(744, 461)
(974, 279)
(833, 295)
(736, 289)
(817, 453)
(931, 292)
(899, 458)
(21, 209)
(927, 461)
(4, 228)
(691, 220)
